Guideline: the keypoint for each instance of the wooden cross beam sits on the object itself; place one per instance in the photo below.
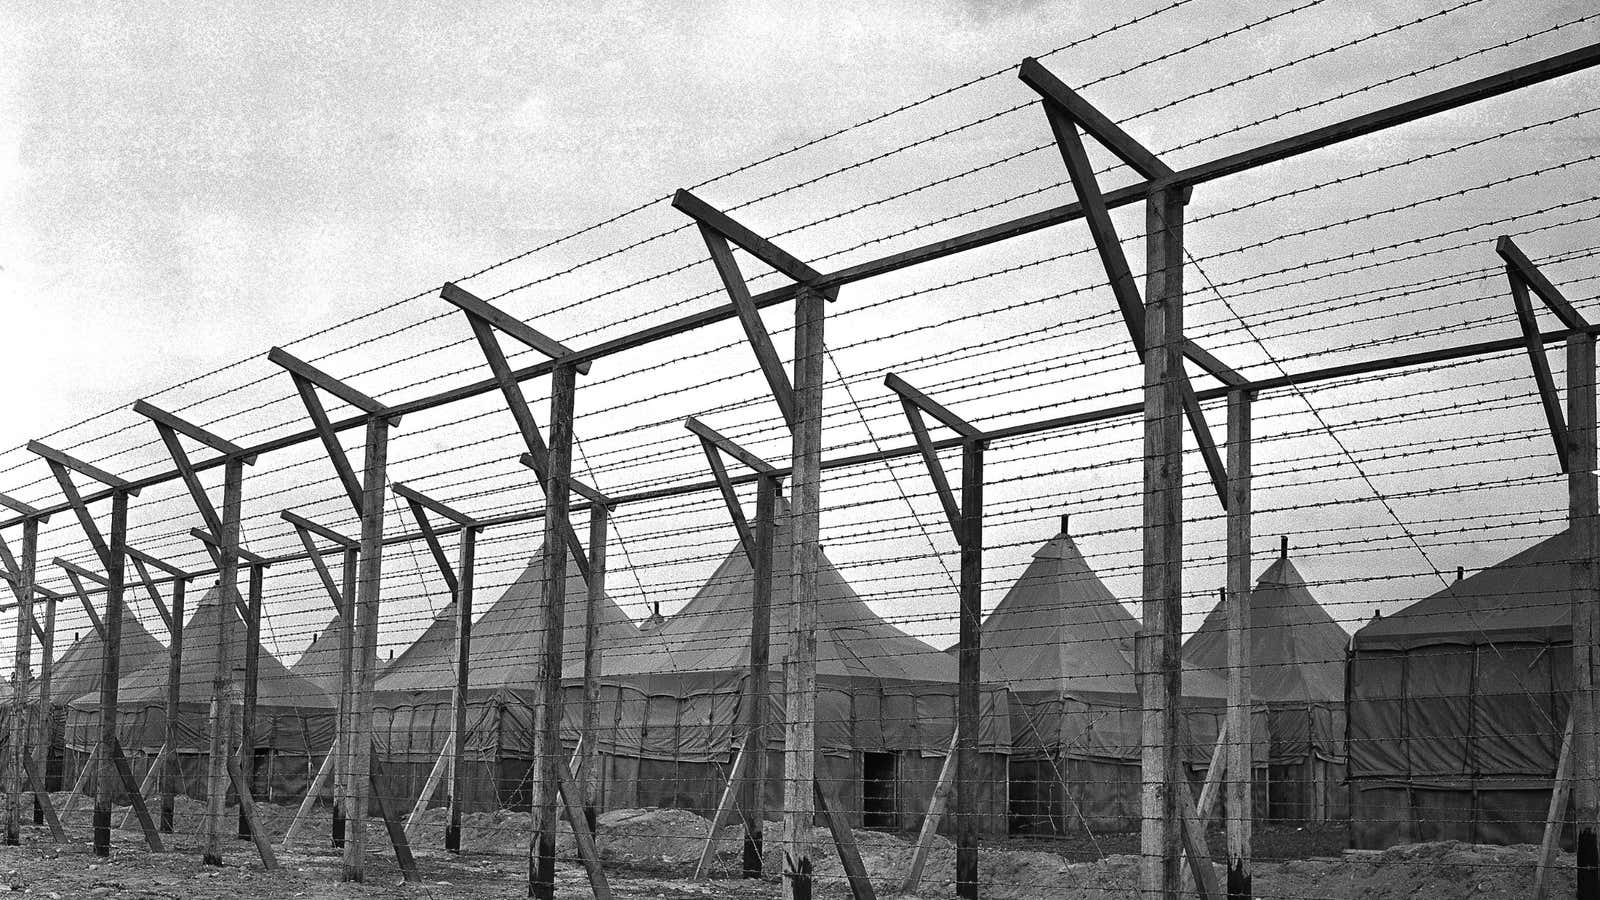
(62, 466)
(11, 573)
(1067, 112)
(420, 506)
(915, 403)
(77, 573)
(306, 528)
(718, 229)
(16, 505)
(1524, 276)
(715, 445)
(307, 380)
(168, 421)
(569, 535)
(141, 563)
(514, 328)
(250, 560)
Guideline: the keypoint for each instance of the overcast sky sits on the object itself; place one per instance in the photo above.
(184, 185)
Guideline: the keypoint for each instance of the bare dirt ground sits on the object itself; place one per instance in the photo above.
(651, 853)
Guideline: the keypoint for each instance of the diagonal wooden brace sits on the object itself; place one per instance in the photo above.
(516, 329)
(140, 566)
(1519, 266)
(305, 528)
(81, 510)
(308, 379)
(28, 510)
(76, 574)
(1541, 365)
(431, 537)
(170, 422)
(715, 444)
(915, 403)
(1081, 111)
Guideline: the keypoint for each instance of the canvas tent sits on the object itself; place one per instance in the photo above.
(294, 723)
(1457, 705)
(413, 703)
(1297, 655)
(885, 701)
(1065, 647)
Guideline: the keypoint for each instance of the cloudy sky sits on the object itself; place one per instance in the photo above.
(183, 186)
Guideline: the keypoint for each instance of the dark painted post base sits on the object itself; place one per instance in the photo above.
(452, 834)
(798, 873)
(166, 817)
(38, 812)
(1238, 881)
(542, 869)
(102, 832)
(338, 827)
(752, 854)
(1588, 866)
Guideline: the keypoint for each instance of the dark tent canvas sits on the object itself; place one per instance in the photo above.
(1297, 656)
(1065, 646)
(77, 672)
(294, 721)
(1457, 705)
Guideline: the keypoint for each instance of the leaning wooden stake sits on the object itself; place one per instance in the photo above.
(152, 836)
(800, 668)
(845, 843)
(319, 785)
(583, 837)
(741, 761)
(1560, 792)
(90, 762)
(1582, 510)
(930, 822)
(430, 787)
(1240, 766)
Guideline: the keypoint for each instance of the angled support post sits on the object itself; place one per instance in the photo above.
(718, 229)
(487, 323)
(112, 552)
(1067, 112)
(1238, 763)
(1524, 277)
(459, 580)
(746, 783)
(587, 761)
(366, 498)
(163, 770)
(966, 521)
(247, 712)
(1583, 508)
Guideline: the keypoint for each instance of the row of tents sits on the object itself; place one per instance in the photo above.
(1060, 713)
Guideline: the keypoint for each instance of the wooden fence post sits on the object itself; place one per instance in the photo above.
(458, 698)
(1239, 764)
(1581, 514)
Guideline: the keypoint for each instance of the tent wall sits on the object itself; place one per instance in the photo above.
(1455, 741)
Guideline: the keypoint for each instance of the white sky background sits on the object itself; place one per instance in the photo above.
(183, 187)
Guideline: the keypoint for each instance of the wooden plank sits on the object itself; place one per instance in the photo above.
(82, 593)
(458, 697)
(111, 763)
(930, 406)
(582, 836)
(755, 330)
(588, 755)
(1214, 367)
(1195, 851)
(800, 666)
(41, 799)
(930, 459)
(511, 327)
(547, 751)
(184, 426)
(22, 677)
(721, 442)
(147, 785)
(1583, 505)
(343, 801)
(1240, 763)
(169, 779)
(150, 588)
(28, 511)
(397, 834)
(321, 567)
(328, 534)
(185, 470)
(1108, 133)
(364, 651)
(81, 510)
(244, 555)
(1541, 369)
(431, 538)
(725, 807)
(115, 482)
(152, 837)
(319, 784)
(968, 670)
(1216, 770)
(1555, 817)
(845, 842)
(247, 809)
(430, 787)
(930, 822)
(219, 747)
(90, 763)
(753, 793)
(1518, 265)
(306, 372)
(330, 441)
(730, 499)
(41, 743)
(252, 670)
(434, 506)
(709, 217)
(1162, 781)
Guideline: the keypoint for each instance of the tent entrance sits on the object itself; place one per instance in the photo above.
(878, 791)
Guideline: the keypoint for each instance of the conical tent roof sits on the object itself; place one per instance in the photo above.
(1060, 629)
(712, 632)
(320, 661)
(504, 639)
(1297, 650)
(77, 671)
(275, 684)
(1522, 598)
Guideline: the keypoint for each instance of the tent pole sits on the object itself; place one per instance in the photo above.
(547, 752)
(169, 773)
(753, 790)
(588, 761)
(252, 669)
(364, 650)
(1581, 512)
(1160, 676)
(227, 588)
(458, 711)
(1239, 765)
